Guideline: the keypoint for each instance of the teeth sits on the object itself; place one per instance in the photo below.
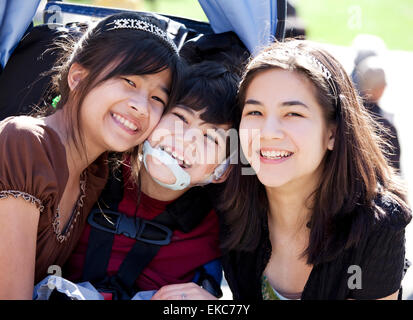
(276, 154)
(176, 156)
(125, 122)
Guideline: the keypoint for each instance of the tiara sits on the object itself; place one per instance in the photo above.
(143, 26)
(316, 64)
(313, 61)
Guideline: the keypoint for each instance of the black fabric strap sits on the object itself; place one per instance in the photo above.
(184, 214)
(97, 255)
(141, 255)
(135, 261)
(100, 242)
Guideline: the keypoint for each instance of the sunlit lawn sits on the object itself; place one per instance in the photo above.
(338, 21)
(331, 21)
(183, 8)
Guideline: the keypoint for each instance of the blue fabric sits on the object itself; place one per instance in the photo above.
(213, 268)
(15, 18)
(76, 291)
(254, 21)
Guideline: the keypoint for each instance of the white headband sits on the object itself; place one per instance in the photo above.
(311, 60)
(144, 26)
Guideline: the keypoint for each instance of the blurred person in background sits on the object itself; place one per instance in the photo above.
(371, 84)
(365, 45)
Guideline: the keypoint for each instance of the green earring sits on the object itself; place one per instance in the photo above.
(56, 100)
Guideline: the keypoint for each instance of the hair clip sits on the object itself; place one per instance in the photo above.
(316, 64)
(324, 71)
(143, 26)
(56, 100)
(313, 61)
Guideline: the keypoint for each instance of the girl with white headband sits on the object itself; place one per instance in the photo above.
(323, 215)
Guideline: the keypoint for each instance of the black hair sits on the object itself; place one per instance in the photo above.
(106, 53)
(212, 87)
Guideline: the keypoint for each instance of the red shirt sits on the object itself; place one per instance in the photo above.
(174, 263)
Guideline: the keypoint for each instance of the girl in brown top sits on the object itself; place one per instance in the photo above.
(114, 85)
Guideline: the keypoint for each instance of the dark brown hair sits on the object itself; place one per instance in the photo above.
(106, 54)
(210, 86)
(354, 173)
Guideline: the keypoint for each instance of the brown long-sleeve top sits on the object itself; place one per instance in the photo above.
(33, 166)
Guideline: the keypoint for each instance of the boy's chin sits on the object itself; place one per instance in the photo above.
(159, 171)
(163, 175)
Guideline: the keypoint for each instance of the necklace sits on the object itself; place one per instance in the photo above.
(65, 234)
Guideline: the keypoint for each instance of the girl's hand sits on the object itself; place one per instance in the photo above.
(183, 291)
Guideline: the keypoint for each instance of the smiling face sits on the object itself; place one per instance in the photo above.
(198, 146)
(119, 113)
(283, 131)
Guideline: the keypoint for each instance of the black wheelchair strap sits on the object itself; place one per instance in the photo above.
(97, 255)
(183, 214)
(100, 242)
(135, 261)
(99, 251)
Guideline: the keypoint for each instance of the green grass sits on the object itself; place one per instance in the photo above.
(339, 21)
(182, 8)
(330, 21)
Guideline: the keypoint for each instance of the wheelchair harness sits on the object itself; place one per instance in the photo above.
(184, 214)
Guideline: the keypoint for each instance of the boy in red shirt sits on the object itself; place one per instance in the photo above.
(187, 152)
